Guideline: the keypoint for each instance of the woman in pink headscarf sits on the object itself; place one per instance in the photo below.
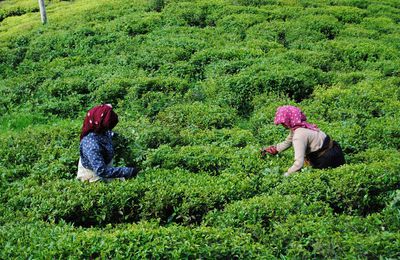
(310, 143)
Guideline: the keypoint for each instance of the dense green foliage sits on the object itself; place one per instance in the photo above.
(196, 85)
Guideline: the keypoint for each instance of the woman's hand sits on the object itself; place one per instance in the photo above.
(133, 172)
(270, 149)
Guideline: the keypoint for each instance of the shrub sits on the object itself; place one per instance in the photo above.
(288, 78)
(326, 25)
(144, 240)
(355, 3)
(357, 31)
(385, 130)
(17, 91)
(353, 189)
(179, 196)
(148, 96)
(320, 60)
(113, 90)
(209, 57)
(43, 151)
(260, 214)
(239, 23)
(261, 120)
(389, 68)
(390, 216)
(340, 103)
(203, 158)
(256, 2)
(63, 200)
(156, 5)
(344, 14)
(156, 53)
(64, 108)
(139, 23)
(60, 44)
(382, 9)
(170, 196)
(383, 25)
(63, 87)
(144, 85)
(375, 155)
(201, 14)
(16, 11)
(197, 115)
(330, 237)
(358, 54)
(272, 31)
(224, 137)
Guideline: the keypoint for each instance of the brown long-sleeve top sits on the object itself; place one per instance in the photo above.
(304, 141)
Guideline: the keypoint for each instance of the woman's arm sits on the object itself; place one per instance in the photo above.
(91, 151)
(300, 146)
(285, 144)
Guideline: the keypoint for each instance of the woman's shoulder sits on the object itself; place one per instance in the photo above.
(89, 138)
(302, 131)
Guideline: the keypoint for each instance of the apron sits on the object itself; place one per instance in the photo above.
(329, 156)
(90, 176)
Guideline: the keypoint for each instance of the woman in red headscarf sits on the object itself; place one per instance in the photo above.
(96, 148)
(309, 142)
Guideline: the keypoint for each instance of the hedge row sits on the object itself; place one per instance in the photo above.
(183, 197)
(144, 240)
(45, 152)
(170, 196)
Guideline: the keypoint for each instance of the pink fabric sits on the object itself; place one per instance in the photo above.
(293, 118)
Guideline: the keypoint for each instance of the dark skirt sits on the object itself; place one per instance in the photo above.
(330, 155)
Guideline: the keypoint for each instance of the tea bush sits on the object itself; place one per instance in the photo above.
(135, 24)
(326, 25)
(257, 2)
(170, 196)
(322, 237)
(383, 25)
(356, 55)
(17, 11)
(197, 115)
(353, 189)
(144, 240)
(286, 78)
(234, 137)
(62, 200)
(341, 103)
(259, 214)
(43, 151)
(200, 60)
(344, 14)
(193, 158)
(173, 197)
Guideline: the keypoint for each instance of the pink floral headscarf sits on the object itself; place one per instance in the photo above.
(293, 118)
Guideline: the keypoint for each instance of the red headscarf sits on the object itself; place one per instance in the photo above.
(99, 119)
(293, 118)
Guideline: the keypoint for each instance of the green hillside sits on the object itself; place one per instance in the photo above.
(196, 85)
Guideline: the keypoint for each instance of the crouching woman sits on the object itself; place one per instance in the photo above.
(96, 147)
(309, 142)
